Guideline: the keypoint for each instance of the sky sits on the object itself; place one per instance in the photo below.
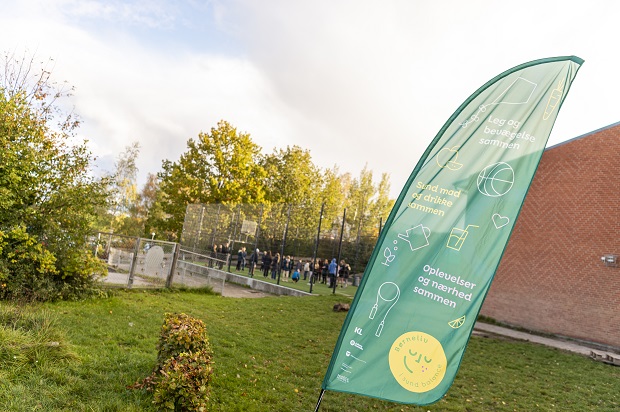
(356, 82)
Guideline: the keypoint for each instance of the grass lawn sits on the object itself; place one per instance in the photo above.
(271, 355)
(317, 288)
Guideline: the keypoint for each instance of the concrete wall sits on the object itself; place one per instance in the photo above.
(205, 275)
(551, 278)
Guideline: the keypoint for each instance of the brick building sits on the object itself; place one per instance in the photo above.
(552, 278)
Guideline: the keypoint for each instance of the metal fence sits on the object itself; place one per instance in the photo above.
(135, 261)
(195, 270)
(217, 238)
(149, 263)
(222, 230)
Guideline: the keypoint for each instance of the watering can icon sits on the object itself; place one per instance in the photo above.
(416, 237)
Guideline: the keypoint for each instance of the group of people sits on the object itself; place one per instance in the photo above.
(219, 255)
(291, 269)
(333, 274)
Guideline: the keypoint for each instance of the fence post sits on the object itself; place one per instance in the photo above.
(173, 266)
(199, 236)
(217, 222)
(260, 218)
(132, 268)
(335, 281)
(279, 268)
(316, 246)
(231, 248)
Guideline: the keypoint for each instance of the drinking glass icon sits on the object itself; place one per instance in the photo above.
(457, 237)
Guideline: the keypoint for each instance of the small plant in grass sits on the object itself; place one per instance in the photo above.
(181, 333)
(183, 384)
(180, 381)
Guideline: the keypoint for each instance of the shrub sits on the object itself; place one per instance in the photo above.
(181, 378)
(181, 333)
(183, 384)
(26, 267)
(49, 197)
(29, 271)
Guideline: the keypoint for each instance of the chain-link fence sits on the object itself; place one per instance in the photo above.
(195, 270)
(135, 261)
(232, 232)
(219, 238)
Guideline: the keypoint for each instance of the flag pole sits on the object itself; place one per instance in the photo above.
(318, 403)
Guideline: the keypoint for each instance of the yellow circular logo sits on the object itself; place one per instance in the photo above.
(417, 361)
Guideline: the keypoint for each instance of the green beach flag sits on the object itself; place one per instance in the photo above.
(406, 332)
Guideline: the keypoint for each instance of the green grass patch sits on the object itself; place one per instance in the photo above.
(317, 288)
(271, 355)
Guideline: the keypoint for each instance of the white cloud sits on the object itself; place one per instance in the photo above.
(356, 82)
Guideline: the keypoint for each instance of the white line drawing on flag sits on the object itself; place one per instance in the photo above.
(422, 237)
(496, 179)
(500, 221)
(519, 82)
(393, 299)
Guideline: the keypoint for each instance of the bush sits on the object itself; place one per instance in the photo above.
(181, 333)
(183, 384)
(26, 266)
(29, 271)
(182, 376)
(49, 198)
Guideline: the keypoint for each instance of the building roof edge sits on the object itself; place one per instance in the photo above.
(583, 135)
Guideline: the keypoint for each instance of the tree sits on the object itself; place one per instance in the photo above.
(291, 181)
(333, 195)
(150, 208)
(124, 180)
(382, 204)
(222, 166)
(48, 198)
(124, 214)
(291, 176)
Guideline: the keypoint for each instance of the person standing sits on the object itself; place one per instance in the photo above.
(213, 256)
(239, 259)
(299, 265)
(220, 254)
(347, 273)
(244, 255)
(275, 265)
(266, 263)
(226, 254)
(324, 271)
(315, 274)
(253, 261)
(306, 270)
(333, 272)
(286, 268)
(341, 272)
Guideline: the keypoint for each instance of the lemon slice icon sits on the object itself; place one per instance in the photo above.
(457, 323)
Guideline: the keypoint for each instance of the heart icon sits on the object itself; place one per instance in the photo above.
(500, 221)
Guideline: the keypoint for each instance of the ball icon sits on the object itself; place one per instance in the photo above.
(496, 179)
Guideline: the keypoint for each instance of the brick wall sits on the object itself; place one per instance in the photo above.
(551, 278)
